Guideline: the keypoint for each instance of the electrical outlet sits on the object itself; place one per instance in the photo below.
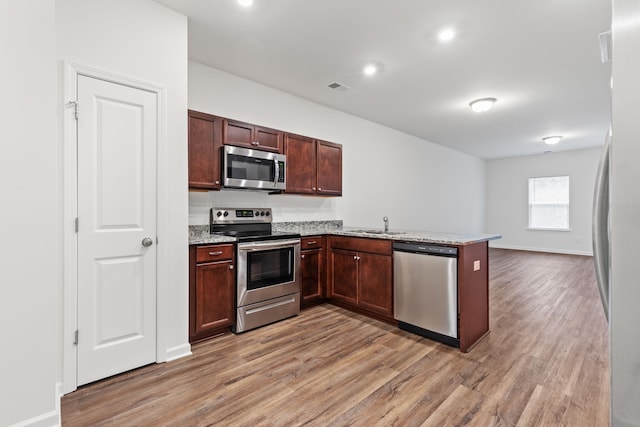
(476, 265)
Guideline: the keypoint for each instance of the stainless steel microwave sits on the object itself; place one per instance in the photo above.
(253, 169)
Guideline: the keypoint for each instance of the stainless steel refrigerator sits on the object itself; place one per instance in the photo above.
(617, 217)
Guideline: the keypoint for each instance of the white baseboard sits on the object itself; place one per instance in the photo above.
(177, 352)
(49, 419)
(549, 250)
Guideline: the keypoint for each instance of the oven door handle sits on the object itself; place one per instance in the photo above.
(279, 244)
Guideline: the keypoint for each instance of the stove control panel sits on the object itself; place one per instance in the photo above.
(240, 215)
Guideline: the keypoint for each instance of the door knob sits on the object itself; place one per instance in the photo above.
(147, 241)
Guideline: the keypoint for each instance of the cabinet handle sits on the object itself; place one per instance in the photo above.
(313, 188)
(355, 257)
(217, 182)
(215, 253)
(319, 189)
(231, 267)
(301, 256)
(311, 243)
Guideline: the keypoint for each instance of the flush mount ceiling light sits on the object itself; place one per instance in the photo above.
(446, 35)
(483, 104)
(370, 69)
(245, 3)
(551, 140)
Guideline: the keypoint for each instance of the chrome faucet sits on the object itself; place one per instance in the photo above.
(386, 223)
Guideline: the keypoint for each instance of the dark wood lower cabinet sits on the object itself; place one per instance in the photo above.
(375, 283)
(352, 272)
(360, 275)
(312, 271)
(343, 278)
(211, 290)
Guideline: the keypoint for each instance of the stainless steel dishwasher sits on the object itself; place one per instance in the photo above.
(425, 280)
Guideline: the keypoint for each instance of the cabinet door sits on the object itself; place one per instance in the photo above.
(252, 136)
(311, 269)
(205, 140)
(301, 164)
(238, 133)
(214, 296)
(329, 168)
(268, 139)
(343, 283)
(375, 283)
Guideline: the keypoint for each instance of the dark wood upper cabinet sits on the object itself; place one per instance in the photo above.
(301, 164)
(329, 168)
(313, 166)
(251, 136)
(205, 140)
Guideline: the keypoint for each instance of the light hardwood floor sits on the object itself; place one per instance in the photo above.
(545, 363)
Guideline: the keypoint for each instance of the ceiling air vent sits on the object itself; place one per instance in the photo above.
(339, 87)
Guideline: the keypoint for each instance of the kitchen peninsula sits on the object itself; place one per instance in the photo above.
(352, 267)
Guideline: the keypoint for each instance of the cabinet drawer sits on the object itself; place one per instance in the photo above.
(311, 242)
(214, 253)
(358, 244)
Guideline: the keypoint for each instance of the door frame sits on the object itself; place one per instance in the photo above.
(70, 73)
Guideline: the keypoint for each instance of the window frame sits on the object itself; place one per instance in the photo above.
(529, 204)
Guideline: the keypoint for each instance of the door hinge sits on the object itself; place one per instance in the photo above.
(73, 104)
(76, 224)
(75, 337)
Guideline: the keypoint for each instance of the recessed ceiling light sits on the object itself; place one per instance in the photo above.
(551, 140)
(483, 104)
(245, 3)
(446, 35)
(370, 69)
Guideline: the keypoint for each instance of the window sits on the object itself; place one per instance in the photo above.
(549, 203)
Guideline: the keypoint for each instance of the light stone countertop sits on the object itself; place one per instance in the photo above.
(199, 234)
(458, 239)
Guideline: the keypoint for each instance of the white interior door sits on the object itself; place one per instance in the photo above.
(117, 139)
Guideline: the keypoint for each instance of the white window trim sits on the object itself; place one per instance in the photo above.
(562, 229)
(548, 229)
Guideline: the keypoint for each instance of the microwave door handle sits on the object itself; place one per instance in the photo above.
(277, 173)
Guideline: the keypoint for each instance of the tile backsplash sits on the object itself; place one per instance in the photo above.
(285, 207)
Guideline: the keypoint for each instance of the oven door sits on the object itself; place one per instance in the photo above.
(267, 270)
(246, 168)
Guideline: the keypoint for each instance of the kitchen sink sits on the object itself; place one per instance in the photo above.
(393, 233)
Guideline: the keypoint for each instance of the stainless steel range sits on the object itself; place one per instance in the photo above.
(268, 271)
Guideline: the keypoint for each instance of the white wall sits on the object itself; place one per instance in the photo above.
(30, 227)
(139, 39)
(507, 200)
(418, 184)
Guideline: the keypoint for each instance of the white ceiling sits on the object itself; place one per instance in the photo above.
(539, 58)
